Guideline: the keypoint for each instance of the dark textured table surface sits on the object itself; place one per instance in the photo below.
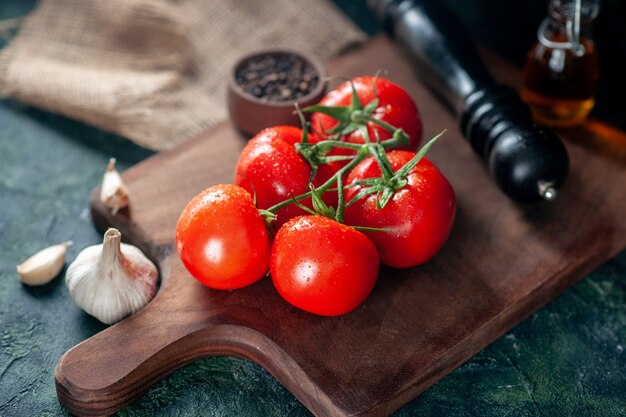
(566, 360)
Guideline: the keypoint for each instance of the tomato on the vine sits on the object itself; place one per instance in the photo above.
(322, 266)
(222, 239)
(395, 107)
(418, 217)
(270, 167)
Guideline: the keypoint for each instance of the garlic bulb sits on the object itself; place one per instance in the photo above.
(42, 267)
(112, 280)
(113, 192)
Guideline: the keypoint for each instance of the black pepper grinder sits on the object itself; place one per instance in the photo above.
(528, 162)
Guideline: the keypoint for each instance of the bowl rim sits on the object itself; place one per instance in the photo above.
(309, 58)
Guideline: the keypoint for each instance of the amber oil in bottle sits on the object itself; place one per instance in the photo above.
(562, 67)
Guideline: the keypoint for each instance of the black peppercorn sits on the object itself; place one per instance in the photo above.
(277, 77)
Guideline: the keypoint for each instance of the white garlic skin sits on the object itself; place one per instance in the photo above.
(44, 266)
(113, 192)
(112, 280)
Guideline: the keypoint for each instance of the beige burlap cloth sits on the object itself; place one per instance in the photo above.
(155, 71)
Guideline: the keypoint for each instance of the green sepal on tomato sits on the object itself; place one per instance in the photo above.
(222, 239)
(322, 266)
(270, 168)
(417, 218)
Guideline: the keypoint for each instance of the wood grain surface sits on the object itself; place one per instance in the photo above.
(502, 262)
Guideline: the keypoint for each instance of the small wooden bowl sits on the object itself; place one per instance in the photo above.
(251, 115)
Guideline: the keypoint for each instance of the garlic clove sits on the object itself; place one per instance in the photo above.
(113, 192)
(112, 280)
(44, 266)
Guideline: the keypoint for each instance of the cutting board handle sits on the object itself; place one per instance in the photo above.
(110, 370)
(113, 368)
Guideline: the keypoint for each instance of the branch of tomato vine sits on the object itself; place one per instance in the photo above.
(385, 186)
(349, 118)
(360, 155)
(362, 151)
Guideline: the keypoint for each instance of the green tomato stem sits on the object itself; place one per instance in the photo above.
(338, 144)
(389, 128)
(361, 154)
(398, 139)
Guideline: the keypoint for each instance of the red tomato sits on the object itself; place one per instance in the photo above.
(419, 216)
(222, 239)
(322, 266)
(270, 166)
(395, 107)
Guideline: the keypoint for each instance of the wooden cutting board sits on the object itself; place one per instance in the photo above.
(503, 262)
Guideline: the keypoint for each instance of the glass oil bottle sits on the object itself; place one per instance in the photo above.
(562, 67)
